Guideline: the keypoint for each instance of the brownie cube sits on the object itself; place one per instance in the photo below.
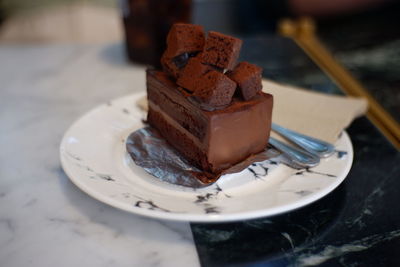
(221, 50)
(248, 78)
(193, 70)
(169, 66)
(215, 90)
(173, 66)
(184, 38)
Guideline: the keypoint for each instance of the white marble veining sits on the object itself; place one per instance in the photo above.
(334, 251)
(44, 219)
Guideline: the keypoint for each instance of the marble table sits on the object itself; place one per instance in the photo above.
(45, 220)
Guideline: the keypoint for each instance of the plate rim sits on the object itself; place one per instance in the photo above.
(190, 217)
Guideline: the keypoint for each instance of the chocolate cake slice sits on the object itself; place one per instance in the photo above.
(194, 104)
(211, 140)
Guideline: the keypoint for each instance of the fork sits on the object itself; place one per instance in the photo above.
(312, 145)
(295, 157)
(310, 151)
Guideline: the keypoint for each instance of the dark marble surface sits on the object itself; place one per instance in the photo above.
(368, 44)
(283, 61)
(358, 224)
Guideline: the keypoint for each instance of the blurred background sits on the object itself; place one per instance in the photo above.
(364, 35)
(99, 20)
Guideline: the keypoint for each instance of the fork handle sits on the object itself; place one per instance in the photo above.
(299, 157)
(310, 144)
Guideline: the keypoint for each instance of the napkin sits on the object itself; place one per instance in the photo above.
(311, 113)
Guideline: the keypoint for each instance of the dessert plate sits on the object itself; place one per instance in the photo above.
(94, 157)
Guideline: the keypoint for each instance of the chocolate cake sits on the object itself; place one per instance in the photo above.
(193, 104)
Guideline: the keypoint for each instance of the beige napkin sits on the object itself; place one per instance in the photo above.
(315, 114)
(311, 113)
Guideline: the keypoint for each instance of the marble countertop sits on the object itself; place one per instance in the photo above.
(45, 220)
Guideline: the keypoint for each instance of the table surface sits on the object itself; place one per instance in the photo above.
(46, 221)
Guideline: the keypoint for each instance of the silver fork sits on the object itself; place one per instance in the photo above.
(312, 149)
(312, 145)
(295, 157)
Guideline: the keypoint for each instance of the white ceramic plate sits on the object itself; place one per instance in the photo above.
(94, 156)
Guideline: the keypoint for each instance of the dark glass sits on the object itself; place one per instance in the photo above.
(146, 25)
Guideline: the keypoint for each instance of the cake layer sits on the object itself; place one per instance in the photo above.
(212, 140)
(178, 137)
(236, 135)
(165, 93)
